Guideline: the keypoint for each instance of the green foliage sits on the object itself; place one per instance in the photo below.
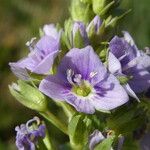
(79, 130)
(106, 144)
(29, 96)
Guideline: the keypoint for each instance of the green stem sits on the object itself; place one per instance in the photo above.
(67, 109)
(47, 142)
(54, 120)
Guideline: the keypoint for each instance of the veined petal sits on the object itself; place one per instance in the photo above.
(140, 78)
(54, 88)
(45, 65)
(120, 47)
(82, 104)
(114, 65)
(130, 92)
(128, 38)
(83, 61)
(50, 30)
(20, 72)
(109, 94)
(95, 138)
(144, 60)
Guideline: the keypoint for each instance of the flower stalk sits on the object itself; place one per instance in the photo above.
(54, 120)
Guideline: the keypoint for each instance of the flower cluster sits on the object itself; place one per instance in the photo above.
(82, 80)
(77, 69)
(27, 136)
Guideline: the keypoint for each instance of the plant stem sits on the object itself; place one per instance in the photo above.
(47, 142)
(67, 109)
(54, 120)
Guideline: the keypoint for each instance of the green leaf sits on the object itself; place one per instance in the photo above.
(79, 128)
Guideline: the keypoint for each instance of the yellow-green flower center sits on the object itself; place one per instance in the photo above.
(82, 90)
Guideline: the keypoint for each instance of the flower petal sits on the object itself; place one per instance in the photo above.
(130, 92)
(95, 138)
(109, 94)
(50, 30)
(120, 47)
(82, 104)
(114, 65)
(141, 78)
(54, 88)
(83, 61)
(20, 72)
(45, 65)
(144, 60)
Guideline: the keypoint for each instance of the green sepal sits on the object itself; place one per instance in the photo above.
(86, 1)
(96, 38)
(81, 11)
(41, 33)
(98, 5)
(29, 96)
(124, 79)
(106, 8)
(79, 129)
(101, 7)
(78, 40)
(66, 35)
(106, 144)
(111, 22)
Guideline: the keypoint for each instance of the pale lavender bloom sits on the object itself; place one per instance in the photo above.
(95, 138)
(27, 138)
(83, 81)
(96, 23)
(42, 54)
(79, 27)
(124, 60)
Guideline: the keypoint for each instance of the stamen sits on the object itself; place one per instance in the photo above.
(70, 74)
(30, 43)
(147, 50)
(123, 56)
(92, 74)
(77, 79)
(35, 119)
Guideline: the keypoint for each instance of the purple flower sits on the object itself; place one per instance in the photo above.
(83, 81)
(42, 54)
(79, 28)
(96, 23)
(27, 137)
(125, 60)
(95, 138)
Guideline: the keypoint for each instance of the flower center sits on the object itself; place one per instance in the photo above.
(80, 86)
(82, 90)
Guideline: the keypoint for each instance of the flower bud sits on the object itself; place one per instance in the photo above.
(81, 11)
(86, 1)
(101, 7)
(94, 26)
(79, 35)
(29, 96)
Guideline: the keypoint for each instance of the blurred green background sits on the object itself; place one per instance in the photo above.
(20, 20)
